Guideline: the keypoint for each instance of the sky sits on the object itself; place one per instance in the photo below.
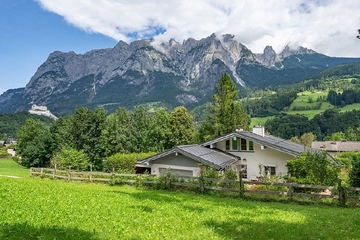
(32, 29)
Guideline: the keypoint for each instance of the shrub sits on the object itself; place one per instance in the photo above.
(124, 163)
(313, 168)
(73, 159)
(4, 153)
(354, 172)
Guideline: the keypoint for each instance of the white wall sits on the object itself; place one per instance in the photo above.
(179, 162)
(263, 156)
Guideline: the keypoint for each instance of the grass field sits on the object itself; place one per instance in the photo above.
(9, 167)
(302, 101)
(34, 208)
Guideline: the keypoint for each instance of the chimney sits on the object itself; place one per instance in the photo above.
(259, 130)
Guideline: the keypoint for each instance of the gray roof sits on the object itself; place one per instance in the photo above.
(337, 146)
(270, 141)
(207, 156)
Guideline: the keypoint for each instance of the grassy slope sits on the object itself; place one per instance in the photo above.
(9, 167)
(302, 100)
(52, 209)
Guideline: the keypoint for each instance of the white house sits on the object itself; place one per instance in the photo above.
(240, 150)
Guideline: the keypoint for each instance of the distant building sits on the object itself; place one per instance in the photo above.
(334, 147)
(41, 110)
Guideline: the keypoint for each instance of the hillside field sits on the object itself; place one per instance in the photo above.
(35, 208)
(302, 101)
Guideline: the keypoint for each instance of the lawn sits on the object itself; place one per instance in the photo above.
(9, 167)
(35, 208)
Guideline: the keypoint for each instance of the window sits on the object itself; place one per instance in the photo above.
(270, 170)
(243, 169)
(251, 146)
(235, 144)
(227, 147)
(243, 146)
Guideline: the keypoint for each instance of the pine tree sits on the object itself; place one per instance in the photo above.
(227, 112)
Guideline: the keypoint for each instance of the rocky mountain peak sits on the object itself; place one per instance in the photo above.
(287, 52)
(145, 72)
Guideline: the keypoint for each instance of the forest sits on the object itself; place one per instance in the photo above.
(99, 134)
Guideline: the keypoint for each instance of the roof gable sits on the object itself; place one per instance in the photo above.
(201, 154)
(270, 141)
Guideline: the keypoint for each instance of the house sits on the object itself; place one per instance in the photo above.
(243, 151)
(334, 147)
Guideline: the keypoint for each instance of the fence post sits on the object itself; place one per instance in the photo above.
(242, 190)
(113, 175)
(201, 179)
(90, 172)
(290, 188)
(31, 171)
(342, 194)
(69, 175)
(54, 173)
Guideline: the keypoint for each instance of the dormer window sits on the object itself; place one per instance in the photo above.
(239, 144)
(227, 145)
(235, 144)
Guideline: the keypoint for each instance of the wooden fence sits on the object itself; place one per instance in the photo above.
(241, 186)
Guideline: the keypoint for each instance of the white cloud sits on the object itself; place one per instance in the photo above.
(326, 26)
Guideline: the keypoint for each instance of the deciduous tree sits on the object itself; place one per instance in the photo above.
(34, 144)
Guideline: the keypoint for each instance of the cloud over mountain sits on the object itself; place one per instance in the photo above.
(327, 26)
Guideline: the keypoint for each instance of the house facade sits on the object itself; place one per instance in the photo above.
(242, 151)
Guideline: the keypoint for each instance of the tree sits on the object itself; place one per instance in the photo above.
(60, 134)
(337, 136)
(116, 136)
(354, 173)
(350, 134)
(159, 133)
(34, 144)
(181, 127)
(227, 113)
(73, 159)
(140, 127)
(307, 139)
(313, 168)
(86, 127)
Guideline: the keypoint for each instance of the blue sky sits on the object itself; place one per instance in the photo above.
(29, 34)
(32, 29)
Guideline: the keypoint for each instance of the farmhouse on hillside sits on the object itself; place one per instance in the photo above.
(334, 147)
(240, 151)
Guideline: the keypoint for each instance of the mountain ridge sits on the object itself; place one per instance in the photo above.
(171, 73)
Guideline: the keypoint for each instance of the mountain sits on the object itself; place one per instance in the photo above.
(168, 74)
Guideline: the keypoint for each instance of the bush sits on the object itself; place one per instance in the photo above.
(4, 153)
(354, 174)
(73, 159)
(313, 168)
(124, 163)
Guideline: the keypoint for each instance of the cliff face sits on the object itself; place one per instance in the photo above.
(138, 73)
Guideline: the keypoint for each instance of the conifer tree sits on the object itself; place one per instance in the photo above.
(227, 112)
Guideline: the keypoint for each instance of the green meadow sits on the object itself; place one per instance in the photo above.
(302, 101)
(35, 208)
